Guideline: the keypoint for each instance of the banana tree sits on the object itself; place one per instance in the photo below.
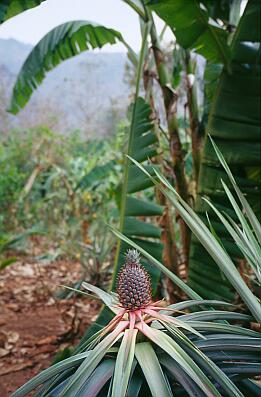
(210, 38)
(233, 122)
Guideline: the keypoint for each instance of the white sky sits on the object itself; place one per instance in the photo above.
(32, 25)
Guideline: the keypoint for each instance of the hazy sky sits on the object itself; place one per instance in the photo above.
(33, 24)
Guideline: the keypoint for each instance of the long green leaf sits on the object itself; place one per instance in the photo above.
(107, 298)
(61, 43)
(217, 252)
(10, 8)
(49, 373)
(190, 303)
(224, 328)
(151, 368)
(211, 315)
(249, 212)
(207, 364)
(98, 379)
(167, 344)
(193, 29)
(124, 363)
(86, 368)
(247, 244)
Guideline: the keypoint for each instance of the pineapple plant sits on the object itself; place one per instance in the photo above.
(173, 353)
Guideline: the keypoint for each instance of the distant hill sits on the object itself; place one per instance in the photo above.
(87, 92)
(13, 54)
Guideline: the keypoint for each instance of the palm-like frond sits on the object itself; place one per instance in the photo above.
(61, 43)
(10, 8)
(193, 29)
(96, 175)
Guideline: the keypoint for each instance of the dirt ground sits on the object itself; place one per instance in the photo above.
(34, 325)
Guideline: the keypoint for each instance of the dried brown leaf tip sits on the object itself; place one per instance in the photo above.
(134, 283)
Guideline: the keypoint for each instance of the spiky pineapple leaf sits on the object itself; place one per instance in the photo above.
(124, 363)
(152, 370)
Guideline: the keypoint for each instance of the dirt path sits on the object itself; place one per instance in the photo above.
(33, 325)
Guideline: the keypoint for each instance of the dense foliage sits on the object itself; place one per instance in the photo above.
(51, 184)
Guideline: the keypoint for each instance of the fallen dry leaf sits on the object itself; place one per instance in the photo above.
(2, 338)
(12, 337)
(43, 349)
(3, 352)
(16, 367)
(46, 341)
(12, 306)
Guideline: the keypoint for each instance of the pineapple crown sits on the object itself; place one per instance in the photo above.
(132, 256)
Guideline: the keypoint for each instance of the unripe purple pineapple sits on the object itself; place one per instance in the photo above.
(134, 283)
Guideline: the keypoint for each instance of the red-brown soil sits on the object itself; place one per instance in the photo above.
(34, 325)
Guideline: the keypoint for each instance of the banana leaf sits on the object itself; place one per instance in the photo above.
(96, 175)
(233, 119)
(10, 8)
(193, 28)
(234, 124)
(62, 42)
